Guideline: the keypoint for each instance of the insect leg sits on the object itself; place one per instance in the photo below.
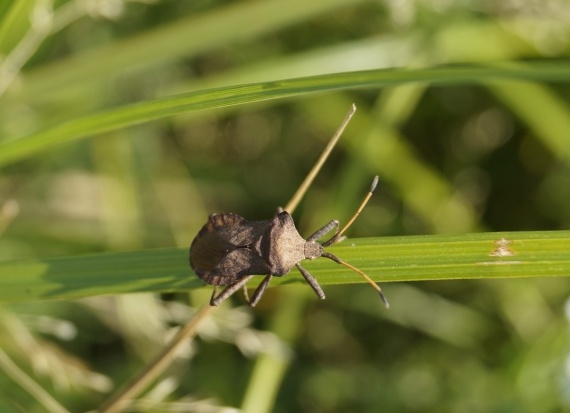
(259, 291)
(366, 277)
(321, 232)
(214, 292)
(229, 290)
(312, 282)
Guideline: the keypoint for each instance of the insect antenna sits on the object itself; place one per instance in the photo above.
(366, 277)
(338, 237)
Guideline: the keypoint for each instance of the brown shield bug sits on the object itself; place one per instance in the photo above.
(229, 251)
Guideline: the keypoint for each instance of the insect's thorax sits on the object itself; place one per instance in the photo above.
(283, 245)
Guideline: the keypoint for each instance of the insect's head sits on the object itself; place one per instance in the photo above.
(313, 250)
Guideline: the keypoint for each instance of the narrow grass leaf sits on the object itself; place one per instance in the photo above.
(235, 95)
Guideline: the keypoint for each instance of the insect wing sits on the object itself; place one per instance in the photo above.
(207, 250)
(219, 253)
(236, 230)
(235, 265)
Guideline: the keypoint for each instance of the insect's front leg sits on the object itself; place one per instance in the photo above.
(228, 291)
(312, 281)
(324, 230)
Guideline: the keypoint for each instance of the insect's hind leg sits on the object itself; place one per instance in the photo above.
(228, 291)
(259, 291)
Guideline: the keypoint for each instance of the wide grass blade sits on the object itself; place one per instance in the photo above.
(410, 258)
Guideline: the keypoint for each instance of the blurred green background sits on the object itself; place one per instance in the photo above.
(459, 158)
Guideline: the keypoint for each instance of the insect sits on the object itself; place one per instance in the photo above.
(229, 251)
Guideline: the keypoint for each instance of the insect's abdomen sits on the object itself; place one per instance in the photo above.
(221, 252)
(206, 252)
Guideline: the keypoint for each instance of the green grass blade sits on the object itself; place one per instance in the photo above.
(410, 258)
(235, 95)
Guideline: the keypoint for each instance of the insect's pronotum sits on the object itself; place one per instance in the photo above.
(229, 251)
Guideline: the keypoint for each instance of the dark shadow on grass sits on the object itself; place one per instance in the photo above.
(159, 270)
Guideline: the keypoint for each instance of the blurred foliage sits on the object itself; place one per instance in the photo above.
(489, 155)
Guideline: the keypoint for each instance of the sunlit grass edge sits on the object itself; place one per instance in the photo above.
(115, 118)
